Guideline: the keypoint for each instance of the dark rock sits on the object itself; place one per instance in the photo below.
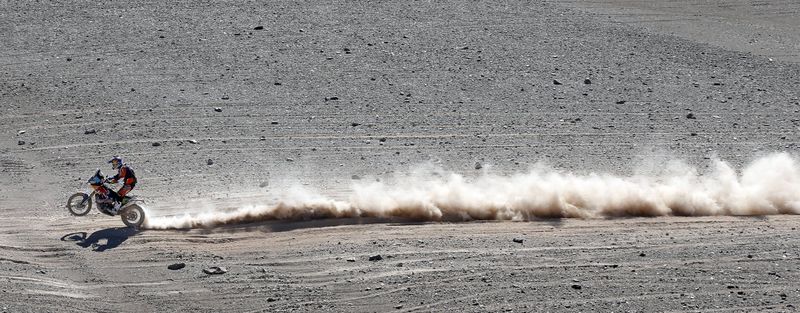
(263, 138)
(215, 270)
(377, 257)
(478, 165)
(587, 81)
(692, 134)
(556, 82)
(355, 124)
(576, 287)
(518, 240)
(382, 139)
(210, 162)
(399, 306)
(217, 109)
(90, 131)
(20, 142)
(176, 266)
(270, 299)
(263, 184)
(289, 160)
(621, 102)
(225, 98)
(277, 84)
(351, 260)
(192, 141)
(355, 177)
(690, 116)
(642, 254)
(156, 144)
(274, 122)
(258, 28)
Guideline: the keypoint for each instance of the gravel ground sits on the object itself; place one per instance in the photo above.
(322, 94)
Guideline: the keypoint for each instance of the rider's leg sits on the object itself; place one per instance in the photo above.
(124, 191)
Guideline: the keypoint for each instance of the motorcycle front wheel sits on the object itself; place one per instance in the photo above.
(79, 204)
(133, 216)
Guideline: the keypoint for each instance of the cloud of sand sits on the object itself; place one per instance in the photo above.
(768, 185)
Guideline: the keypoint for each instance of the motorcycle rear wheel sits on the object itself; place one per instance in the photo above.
(79, 204)
(133, 216)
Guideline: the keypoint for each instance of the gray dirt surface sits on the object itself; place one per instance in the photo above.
(318, 93)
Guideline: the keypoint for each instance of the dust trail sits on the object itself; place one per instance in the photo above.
(768, 185)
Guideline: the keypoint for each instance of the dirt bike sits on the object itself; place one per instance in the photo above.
(131, 211)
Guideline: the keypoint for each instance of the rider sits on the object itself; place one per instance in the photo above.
(124, 174)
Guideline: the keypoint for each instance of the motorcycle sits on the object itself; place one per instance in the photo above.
(131, 211)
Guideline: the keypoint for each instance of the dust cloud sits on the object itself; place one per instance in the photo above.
(768, 185)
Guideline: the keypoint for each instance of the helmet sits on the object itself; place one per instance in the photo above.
(118, 164)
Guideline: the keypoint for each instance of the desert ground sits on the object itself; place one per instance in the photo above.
(220, 106)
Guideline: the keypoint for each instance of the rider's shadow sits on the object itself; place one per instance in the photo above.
(103, 239)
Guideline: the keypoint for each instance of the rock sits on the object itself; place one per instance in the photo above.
(376, 257)
(90, 131)
(20, 132)
(192, 141)
(289, 160)
(576, 287)
(210, 162)
(217, 109)
(351, 260)
(156, 144)
(587, 81)
(274, 122)
(331, 98)
(556, 82)
(271, 299)
(21, 142)
(277, 84)
(355, 177)
(225, 97)
(258, 28)
(518, 240)
(642, 254)
(621, 102)
(692, 134)
(263, 184)
(176, 266)
(478, 165)
(263, 138)
(383, 139)
(690, 116)
(399, 306)
(355, 124)
(215, 270)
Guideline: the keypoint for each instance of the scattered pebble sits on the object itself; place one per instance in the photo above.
(556, 82)
(518, 240)
(270, 299)
(642, 254)
(156, 144)
(176, 266)
(21, 142)
(215, 270)
(210, 162)
(377, 257)
(263, 184)
(258, 28)
(20, 132)
(217, 109)
(351, 260)
(355, 177)
(576, 287)
(587, 81)
(90, 131)
(478, 165)
(690, 116)
(399, 306)
(289, 160)
(192, 141)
